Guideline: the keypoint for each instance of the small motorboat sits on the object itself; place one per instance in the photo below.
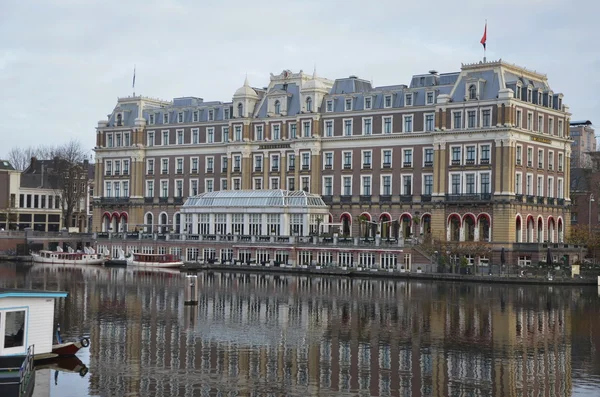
(68, 349)
(154, 260)
(64, 364)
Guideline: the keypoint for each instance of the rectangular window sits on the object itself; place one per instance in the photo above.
(329, 128)
(484, 183)
(293, 131)
(328, 186)
(118, 139)
(165, 138)
(180, 137)
(329, 106)
(551, 126)
(386, 158)
(368, 103)
(193, 187)
(408, 127)
(276, 132)
(347, 186)
(430, 98)
(328, 160)
(164, 166)
(540, 123)
(195, 134)
(407, 185)
(540, 158)
(366, 185)
(166, 118)
(386, 185)
(471, 118)
(258, 133)
(305, 181)
(457, 120)
(561, 131)
(291, 183)
(485, 154)
(559, 188)
(164, 189)
(180, 117)
(518, 183)
(291, 162)
(237, 183)
(210, 135)
(306, 129)
(387, 101)
(225, 134)
(117, 167)
(151, 119)
(530, 121)
(408, 100)
(224, 164)
(348, 127)
(238, 134)
(195, 116)
(428, 157)
(519, 121)
(470, 155)
(387, 125)
(210, 185)
(226, 114)
(258, 163)
(150, 138)
(108, 166)
(305, 161)
(456, 155)
(347, 160)
(179, 188)
(126, 139)
(519, 155)
(529, 185)
(407, 157)
(348, 105)
(470, 183)
(550, 187)
(109, 138)
(210, 164)
(14, 326)
(211, 115)
(486, 118)
(550, 160)
(150, 166)
(540, 186)
(529, 157)
(560, 162)
(427, 185)
(366, 159)
(274, 183)
(224, 185)
(429, 122)
(194, 165)
(456, 184)
(274, 163)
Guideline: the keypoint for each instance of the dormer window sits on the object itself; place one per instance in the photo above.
(430, 98)
(529, 95)
(550, 98)
(329, 106)
(277, 107)
(180, 117)
(472, 92)
(348, 104)
(408, 99)
(211, 115)
(240, 110)
(539, 98)
(226, 114)
(119, 119)
(387, 101)
(195, 116)
(309, 104)
(166, 118)
(518, 92)
(368, 103)
(151, 119)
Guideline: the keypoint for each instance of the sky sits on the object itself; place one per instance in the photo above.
(64, 63)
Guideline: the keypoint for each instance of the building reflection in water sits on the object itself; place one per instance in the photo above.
(293, 335)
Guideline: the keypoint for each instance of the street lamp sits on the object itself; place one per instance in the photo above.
(590, 213)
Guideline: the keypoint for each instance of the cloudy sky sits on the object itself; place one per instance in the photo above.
(63, 63)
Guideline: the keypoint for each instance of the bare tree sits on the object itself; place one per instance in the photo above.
(20, 158)
(71, 176)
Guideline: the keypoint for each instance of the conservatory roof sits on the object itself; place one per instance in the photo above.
(256, 198)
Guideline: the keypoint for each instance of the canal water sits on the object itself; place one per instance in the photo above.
(274, 335)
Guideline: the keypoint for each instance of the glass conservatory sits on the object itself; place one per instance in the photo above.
(255, 213)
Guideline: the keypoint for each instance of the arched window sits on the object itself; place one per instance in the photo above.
(240, 110)
(149, 223)
(469, 225)
(519, 230)
(472, 92)
(119, 119)
(277, 107)
(164, 223)
(309, 104)
(177, 223)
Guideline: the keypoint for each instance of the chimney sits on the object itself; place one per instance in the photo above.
(32, 163)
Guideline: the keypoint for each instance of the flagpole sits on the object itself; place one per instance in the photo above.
(485, 45)
(133, 84)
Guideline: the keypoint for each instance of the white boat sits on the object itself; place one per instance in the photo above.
(87, 257)
(154, 260)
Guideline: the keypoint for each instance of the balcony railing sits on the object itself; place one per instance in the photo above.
(550, 200)
(194, 170)
(257, 169)
(468, 197)
(305, 167)
(150, 172)
(114, 200)
(224, 170)
(328, 166)
(148, 200)
(428, 164)
(365, 198)
(387, 165)
(366, 166)
(291, 167)
(236, 169)
(178, 200)
(519, 197)
(470, 161)
(327, 199)
(407, 164)
(347, 166)
(455, 162)
(386, 198)
(209, 170)
(275, 169)
(540, 200)
(163, 199)
(345, 199)
(530, 199)
(560, 201)
(425, 198)
(406, 198)
(485, 161)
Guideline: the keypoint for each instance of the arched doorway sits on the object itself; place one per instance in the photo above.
(115, 222)
(551, 230)
(560, 230)
(123, 222)
(405, 224)
(426, 224)
(519, 229)
(177, 222)
(106, 222)
(346, 221)
(469, 227)
(163, 222)
(540, 230)
(385, 222)
(149, 223)
(530, 227)
(364, 225)
(454, 227)
(483, 222)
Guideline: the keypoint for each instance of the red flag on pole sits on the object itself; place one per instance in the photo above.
(484, 38)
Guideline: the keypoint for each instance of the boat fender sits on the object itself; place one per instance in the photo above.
(83, 372)
(85, 342)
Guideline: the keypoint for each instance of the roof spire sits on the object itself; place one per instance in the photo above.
(246, 84)
(315, 72)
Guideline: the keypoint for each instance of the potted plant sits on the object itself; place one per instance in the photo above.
(419, 270)
(402, 270)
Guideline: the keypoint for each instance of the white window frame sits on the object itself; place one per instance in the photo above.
(166, 118)
(254, 180)
(223, 130)
(481, 110)
(450, 155)
(519, 186)
(206, 169)
(346, 109)
(529, 177)
(385, 100)
(519, 118)
(425, 122)
(362, 184)
(234, 181)
(423, 183)
(192, 165)
(479, 179)
(365, 102)
(274, 178)
(327, 107)
(540, 127)
(412, 184)
(262, 130)
(148, 166)
(529, 127)
(344, 158)
(182, 188)
(391, 164)
(550, 160)
(271, 156)
(383, 118)
(560, 188)
(342, 185)
(180, 117)
(462, 120)
(195, 116)
(147, 189)
(195, 133)
(480, 152)
(467, 118)
(287, 182)
(344, 121)
(179, 133)
(310, 129)
(190, 190)
(543, 158)
(539, 186)
(362, 159)
(325, 160)
(302, 179)
(206, 182)
(427, 97)
(331, 178)
(412, 99)
(210, 114)
(425, 156)
(179, 171)
(150, 142)
(111, 140)
(412, 157)
(162, 137)
(412, 123)
(381, 185)
(210, 132)
(325, 122)
(464, 182)
(274, 127)
(519, 155)
(550, 125)
(151, 119)
(224, 185)
(160, 187)
(161, 166)
(364, 120)
(550, 188)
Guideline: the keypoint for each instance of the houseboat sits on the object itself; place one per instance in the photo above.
(26, 322)
(154, 260)
(87, 257)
